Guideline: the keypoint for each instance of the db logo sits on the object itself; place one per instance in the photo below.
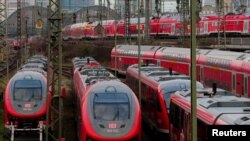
(112, 125)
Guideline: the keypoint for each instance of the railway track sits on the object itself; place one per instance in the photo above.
(12, 65)
(203, 42)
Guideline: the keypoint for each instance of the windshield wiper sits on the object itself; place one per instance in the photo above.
(117, 113)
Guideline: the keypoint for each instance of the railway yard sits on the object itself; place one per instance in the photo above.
(124, 70)
(99, 51)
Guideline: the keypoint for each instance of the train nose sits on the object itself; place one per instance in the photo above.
(112, 125)
(26, 107)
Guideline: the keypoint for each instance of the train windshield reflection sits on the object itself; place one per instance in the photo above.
(111, 107)
(27, 91)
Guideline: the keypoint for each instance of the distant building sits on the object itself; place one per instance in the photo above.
(12, 4)
(169, 6)
(237, 3)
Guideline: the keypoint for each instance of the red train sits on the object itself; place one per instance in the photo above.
(106, 108)
(229, 70)
(170, 26)
(157, 85)
(25, 101)
(213, 108)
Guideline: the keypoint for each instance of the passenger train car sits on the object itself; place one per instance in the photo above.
(106, 108)
(167, 26)
(213, 108)
(157, 85)
(229, 70)
(25, 100)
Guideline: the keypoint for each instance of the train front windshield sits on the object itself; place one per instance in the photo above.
(27, 90)
(111, 106)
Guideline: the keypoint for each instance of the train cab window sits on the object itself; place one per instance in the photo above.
(111, 106)
(27, 90)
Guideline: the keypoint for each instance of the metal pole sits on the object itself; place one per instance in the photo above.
(55, 66)
(224, 30)
(127, 22)
(147, 20)
(4, 33)
(115, 48)
(142, 8)
(219, 10)
(193, 71)
(139, 50)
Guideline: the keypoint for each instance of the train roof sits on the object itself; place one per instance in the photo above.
(111, 86)
(33, 65)
(36, 60)
(223, 106)
(133, 48)
(35, 70)
(229, 55)
(28, 75)
(39, 57)
(77, 25)
(93, 79)
(161, 76)
(184, 52)
(82, 58)
(149, 67)
(93, 75)
(98, 72)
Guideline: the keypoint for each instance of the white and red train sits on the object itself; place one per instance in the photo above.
(209, 25)
(157, 86)
(25, 99)
(214, 107)
(229, 70)
(106, 108)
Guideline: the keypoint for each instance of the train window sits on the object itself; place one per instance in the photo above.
(237, 23)
(214, 23)
(27, 90)
(234, 79)
(245, 85)
(202, 74)
(111, 106)
(164, 26)
(176, 115)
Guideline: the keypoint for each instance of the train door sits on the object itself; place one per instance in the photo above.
(205, 28)
(186, 126)
(248, 85)
(234, 83)
(119, 63)
(245, 85)
(246, 25)
(172, 28)
(201, 74)
(239, 84)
